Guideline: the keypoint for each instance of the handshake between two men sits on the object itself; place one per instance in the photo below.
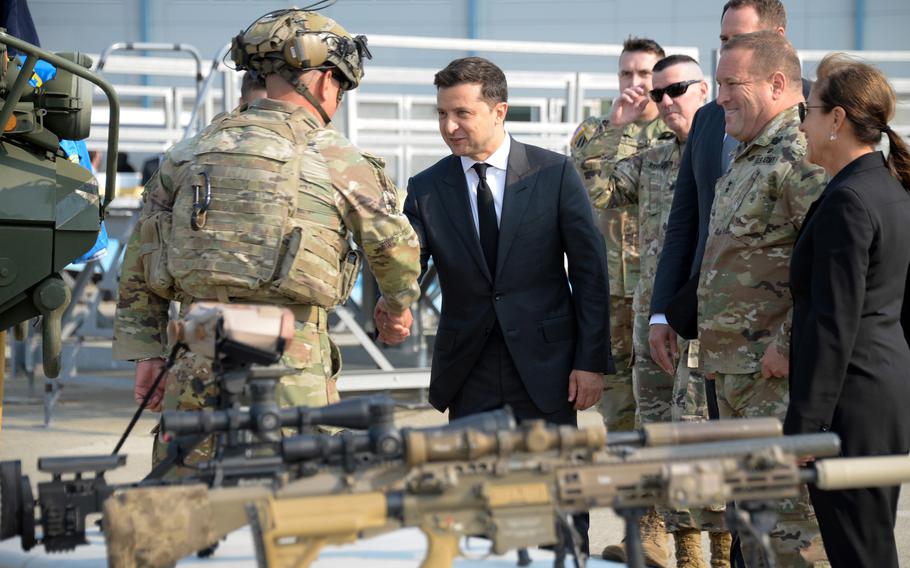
(393, 327)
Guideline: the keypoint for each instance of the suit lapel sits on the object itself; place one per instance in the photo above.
(810, 213)
(715, 157)
(453, 193)
(519, 188)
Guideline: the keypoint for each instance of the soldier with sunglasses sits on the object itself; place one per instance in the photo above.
(632, 126)
(646, 180)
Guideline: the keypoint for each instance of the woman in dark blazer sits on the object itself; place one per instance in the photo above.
(849, 356)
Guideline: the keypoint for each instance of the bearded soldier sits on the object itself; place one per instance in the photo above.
(261, 207)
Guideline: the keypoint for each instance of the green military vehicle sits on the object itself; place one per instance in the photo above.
(50, 207)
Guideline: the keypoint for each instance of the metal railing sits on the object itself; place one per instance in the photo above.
(398, 125)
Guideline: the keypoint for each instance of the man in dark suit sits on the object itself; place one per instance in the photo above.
(499, 218)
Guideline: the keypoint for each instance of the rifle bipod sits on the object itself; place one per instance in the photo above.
(635, 554)
(754, 523)
(569, 540)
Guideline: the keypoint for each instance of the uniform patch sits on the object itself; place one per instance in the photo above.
(578, 140)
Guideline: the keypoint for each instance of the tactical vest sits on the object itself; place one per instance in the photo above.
(234, 232)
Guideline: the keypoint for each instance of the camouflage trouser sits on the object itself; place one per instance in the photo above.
(660, 397)
(617, 406)
(690, 404)
(652, 386)
(796, 539)
(191, 385)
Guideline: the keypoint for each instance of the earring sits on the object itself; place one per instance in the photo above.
(833, 136)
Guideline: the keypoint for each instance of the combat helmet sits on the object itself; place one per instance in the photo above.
(292, 40)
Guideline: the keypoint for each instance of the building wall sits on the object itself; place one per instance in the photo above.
(91, 25)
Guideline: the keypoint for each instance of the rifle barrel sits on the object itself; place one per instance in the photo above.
(853, 473)
(818, 445)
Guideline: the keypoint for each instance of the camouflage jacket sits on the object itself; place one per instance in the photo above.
(341, 191)
(594, 144)
(644, 179)
(744, 300)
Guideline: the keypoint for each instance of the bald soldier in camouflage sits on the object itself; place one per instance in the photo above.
(632, 126)
(259, 208)
(743, 297)
(646, 180)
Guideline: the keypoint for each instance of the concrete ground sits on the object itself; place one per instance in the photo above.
(93, 412)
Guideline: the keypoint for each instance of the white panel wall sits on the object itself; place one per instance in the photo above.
(90, 25)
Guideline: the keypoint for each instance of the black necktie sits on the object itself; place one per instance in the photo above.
(486, 218)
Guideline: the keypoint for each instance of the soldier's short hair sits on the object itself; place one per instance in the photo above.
(251, 81)
(771, 52)
(771, 13)
(476, 70)
(671, 60)
(642, 44)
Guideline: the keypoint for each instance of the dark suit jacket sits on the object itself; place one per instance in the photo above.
(693, 196)
(849, 357)
(549, 328)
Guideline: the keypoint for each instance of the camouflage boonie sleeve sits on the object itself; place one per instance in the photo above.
(371, 208)
(596, 155)
(140, 322)
(620, 183)
(801, 187)
(744, 303)
(578, 146)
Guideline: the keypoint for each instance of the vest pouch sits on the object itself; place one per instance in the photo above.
(350, 268)
(153, 254)
(309, 272)
(231, 213)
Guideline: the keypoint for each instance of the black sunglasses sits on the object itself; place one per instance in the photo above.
(803, 110)
(674, 90)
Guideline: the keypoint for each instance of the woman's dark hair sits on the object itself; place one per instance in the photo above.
(869, 102)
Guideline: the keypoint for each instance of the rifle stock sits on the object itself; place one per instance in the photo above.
(290, 533)
(153, 527)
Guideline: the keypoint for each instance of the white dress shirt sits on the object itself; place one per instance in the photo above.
(496, 179)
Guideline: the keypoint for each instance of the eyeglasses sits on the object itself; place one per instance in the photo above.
(803, 110)
(674, 90)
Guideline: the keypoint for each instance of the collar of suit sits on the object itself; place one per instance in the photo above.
(453, 191)
(498, 159)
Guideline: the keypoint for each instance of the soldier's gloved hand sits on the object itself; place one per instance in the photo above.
(146, 373)
(628, 106)
(393, 327)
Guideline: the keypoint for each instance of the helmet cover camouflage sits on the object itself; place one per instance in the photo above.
(291, 40)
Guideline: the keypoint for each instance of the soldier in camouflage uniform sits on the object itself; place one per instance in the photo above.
(259, 208)
(646, 180)
(632, 125)
(743, 297)
(599, 142)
